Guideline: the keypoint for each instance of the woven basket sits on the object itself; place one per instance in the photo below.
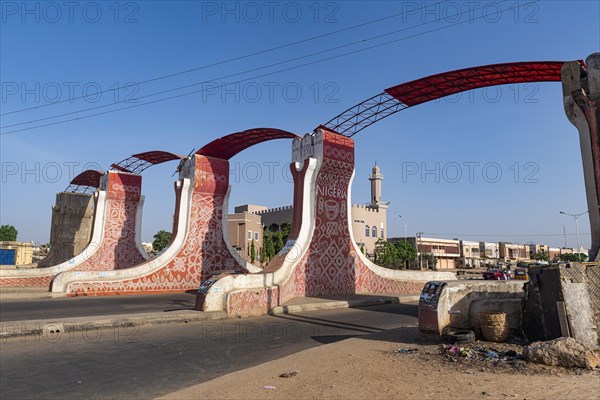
(494, 326)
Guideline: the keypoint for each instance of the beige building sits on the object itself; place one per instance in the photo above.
(470, 255)
(513, 252)
(489, 252)
(243, 228)
(369, 222)
(16, 253)
(446, 251)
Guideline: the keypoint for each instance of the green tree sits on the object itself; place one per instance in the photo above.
(271, 250)
(386, 254)
(264, 259)
(406, 252)
(161, 240)
(267, 247)
(431, 260)
(252, 252)
(541, 256)
(278, 241)
(574, 257)
(8, 233)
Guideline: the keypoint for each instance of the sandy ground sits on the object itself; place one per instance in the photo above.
(371, 368)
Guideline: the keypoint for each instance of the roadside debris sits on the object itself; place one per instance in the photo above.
(268, 387)
(479, 354)
(289, 374)
(564, 352)
(405, 351)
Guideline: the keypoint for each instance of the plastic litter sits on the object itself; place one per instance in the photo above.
(406, 351)
(289, 374)
(269, 387)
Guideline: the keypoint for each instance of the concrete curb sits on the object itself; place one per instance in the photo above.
(53, 328)
(330, 305)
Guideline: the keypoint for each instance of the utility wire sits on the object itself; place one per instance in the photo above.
(222, 77)
(226, 61)
(241, 80)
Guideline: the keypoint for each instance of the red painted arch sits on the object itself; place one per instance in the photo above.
(440, 85)
(137, 163)
(230, 145)
(88, 178)
(409, 94)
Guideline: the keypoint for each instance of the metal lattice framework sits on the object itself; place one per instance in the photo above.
(85, 183)
(138, 163)
(433, 87)
(230, 145)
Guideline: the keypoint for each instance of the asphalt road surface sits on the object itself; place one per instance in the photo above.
(18, 310)
(144, 362)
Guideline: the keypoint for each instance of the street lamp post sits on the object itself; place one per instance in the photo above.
(405, 238)
(404, 221)
(419, 252)
(576, 216)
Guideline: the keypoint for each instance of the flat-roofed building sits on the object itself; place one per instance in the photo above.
(243, 228)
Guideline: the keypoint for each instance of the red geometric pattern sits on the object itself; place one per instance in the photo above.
(204, 251)
(32, 281)
(331, 265)
(118, 248)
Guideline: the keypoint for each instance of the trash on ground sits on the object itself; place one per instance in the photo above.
(289, 374)
(269, 387)
(405, 351)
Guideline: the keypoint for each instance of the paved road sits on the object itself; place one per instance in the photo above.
(150, 361)
(18, 310)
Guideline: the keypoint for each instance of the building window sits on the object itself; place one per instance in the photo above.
(382, 235)
(256, 236)
(367, 230)
(375, 232)
(249, 235)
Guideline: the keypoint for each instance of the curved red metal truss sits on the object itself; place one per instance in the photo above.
(441, 85)
(230, 145)
(405, 95)
(85, 182)
(137, 163)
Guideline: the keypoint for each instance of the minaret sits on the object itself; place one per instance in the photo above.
(376, 177)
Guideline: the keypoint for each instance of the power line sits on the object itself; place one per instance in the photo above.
(239, 81)
(222, 62)
(223, 77)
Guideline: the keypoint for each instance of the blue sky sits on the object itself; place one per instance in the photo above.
(50, 52)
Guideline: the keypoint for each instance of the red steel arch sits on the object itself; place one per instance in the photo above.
(409, 94)
(85, 182)
(230, 145)
(89, 180)
(138, 163)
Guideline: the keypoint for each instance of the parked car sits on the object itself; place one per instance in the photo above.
(496, 274)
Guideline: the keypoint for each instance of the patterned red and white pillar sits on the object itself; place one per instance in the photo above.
(198, 249)
(332, 264)
(115, 242)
